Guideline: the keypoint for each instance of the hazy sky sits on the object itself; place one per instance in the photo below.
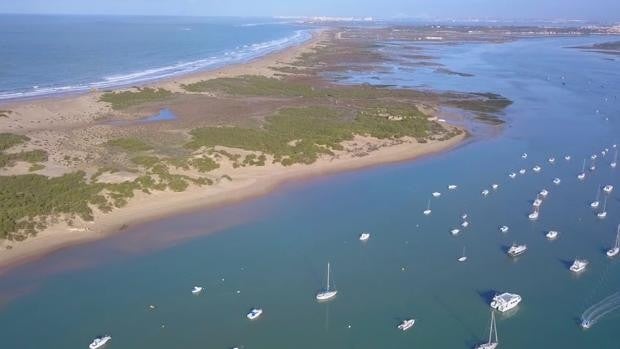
(608, 10)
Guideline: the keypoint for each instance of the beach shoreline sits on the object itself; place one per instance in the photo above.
(246, 184)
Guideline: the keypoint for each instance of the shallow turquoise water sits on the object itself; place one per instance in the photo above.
(274, 249)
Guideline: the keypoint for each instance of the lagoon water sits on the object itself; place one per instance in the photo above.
(272, 252)
(46, 55)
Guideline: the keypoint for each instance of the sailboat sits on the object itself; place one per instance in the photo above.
(428, 208)
(593, 165)
(616, 249)
(581, 176)
(326, 294)
(462, 258)
(596, 203)
(614, 163)
(534, 215)
(602, 214)
(493, 342)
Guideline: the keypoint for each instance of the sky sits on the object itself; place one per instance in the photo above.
(594, 10)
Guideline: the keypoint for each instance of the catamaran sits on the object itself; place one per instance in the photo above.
(364, 236)
(596, 203)
(406, 324)
(493, 342)
(505, 301)
(582, 175)
(99, 342)
(608, 188)
(516, 250)
(326, 294)
(579, 265)
(463, 257)
(616, 249)
(602, 214)
(428, 208)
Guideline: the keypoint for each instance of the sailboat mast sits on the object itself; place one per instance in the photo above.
(618, 237)
(491, 326)
(328, 276)
(495, 328)
(583, 167)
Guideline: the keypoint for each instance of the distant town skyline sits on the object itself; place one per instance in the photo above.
(593, 10)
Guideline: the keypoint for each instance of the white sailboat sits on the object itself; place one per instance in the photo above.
(326, 294)
(99, 342)
(463, 257)
(428, 208)
(614, 163)
(602, 214)
(616, 249)
(582, 175)
(493, 342)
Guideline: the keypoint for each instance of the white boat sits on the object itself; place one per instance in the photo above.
(494, 186)
(436, 194)
(254, 313)
(544, 193)
(485, 192)
(516, 250)
(463, 257)
(534, 215)
(612, 252)
(492, 343)
(551, 160)
(608, 188)
(593, 157)
(364, 236)
(452, 186)
(567, 157)
(465, 224)
(512, 175)
(557, 181)
(99, 342)
(614, 163)
(464, 216)
(503, 228)
(596, 202)
(196, 289)
(428, 208)
(524, 156)
(586, 324)
(455, 231)
(579, 265)
(537, 202)
(406, 324)
(602, 214)
(582, 175)
(552, 235)
(505, 301)
(326, 294)
(536, 168)
(522, 171)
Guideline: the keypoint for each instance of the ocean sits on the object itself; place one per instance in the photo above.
(272, 252)
(47, 55)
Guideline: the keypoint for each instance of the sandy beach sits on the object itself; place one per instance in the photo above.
(41, 117)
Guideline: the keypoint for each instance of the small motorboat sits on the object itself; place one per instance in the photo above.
(485, 192)
(196, 289)
(406, 324)
(512, 175)
(254, 314)
(524, 156)
(364, 236)
(494, 186)
(544, 193)
(455, 231)
(99, 342)
(522, 171)
(436, 194)
(608, 188)
(465, 224)
(551, 160)
(536, 168)
(567, 157)
(503, 228)
(557, 181)
(552, 235)
(452, 187)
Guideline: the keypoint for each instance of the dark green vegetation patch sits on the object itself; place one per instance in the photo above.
(125, 99)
